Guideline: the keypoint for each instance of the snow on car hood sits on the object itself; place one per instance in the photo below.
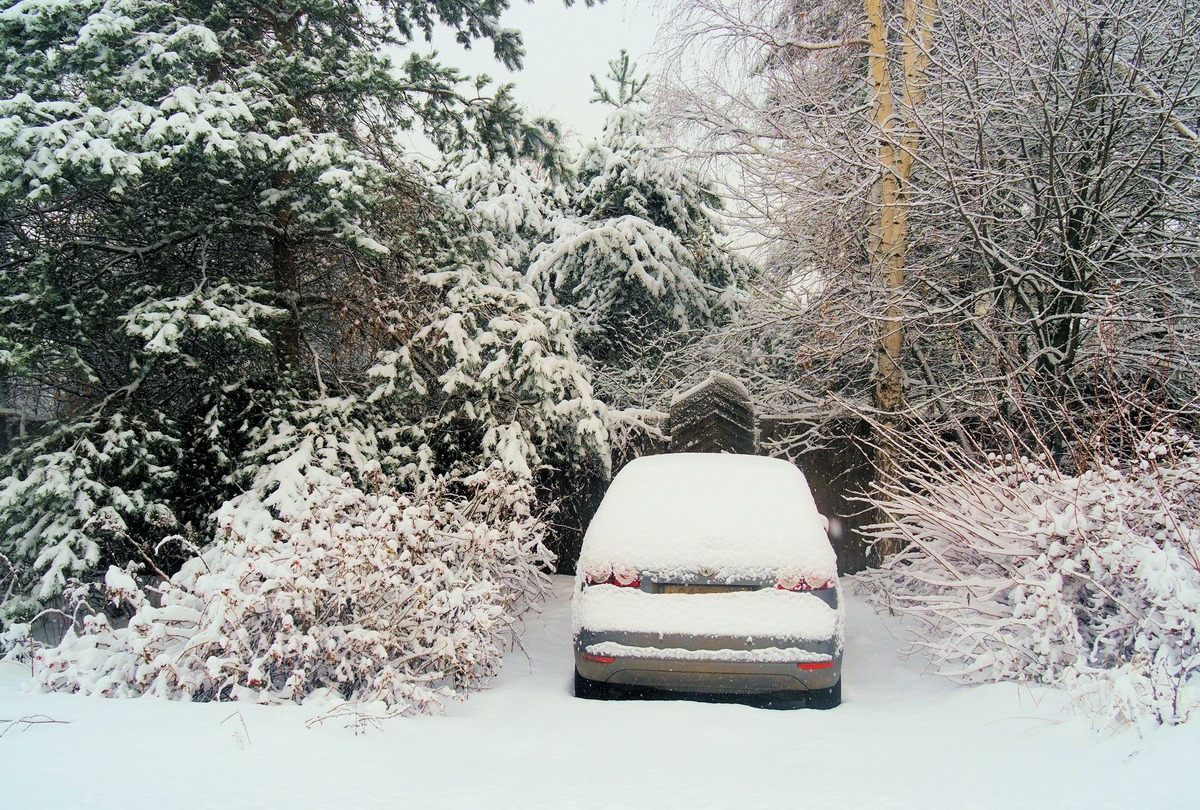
(735, 515)
(764, 613)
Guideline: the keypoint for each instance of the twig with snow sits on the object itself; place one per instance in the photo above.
(28, 721)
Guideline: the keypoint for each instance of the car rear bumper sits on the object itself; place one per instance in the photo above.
(708, 664)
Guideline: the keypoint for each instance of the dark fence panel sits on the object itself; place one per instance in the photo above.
(838, 473)
(577, 493)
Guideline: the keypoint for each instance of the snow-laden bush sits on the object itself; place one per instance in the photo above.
(1091, 582)
(320, 584)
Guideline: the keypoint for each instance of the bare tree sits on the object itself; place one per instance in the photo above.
(828, 152)
(975, 214)
(1058, 208)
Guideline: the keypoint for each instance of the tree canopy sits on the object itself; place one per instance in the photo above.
(208, 220)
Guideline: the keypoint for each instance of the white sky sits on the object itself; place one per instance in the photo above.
(564, 47)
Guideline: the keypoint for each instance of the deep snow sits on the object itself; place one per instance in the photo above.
(901, 740)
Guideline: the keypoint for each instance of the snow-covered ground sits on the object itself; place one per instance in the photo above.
(901, 740)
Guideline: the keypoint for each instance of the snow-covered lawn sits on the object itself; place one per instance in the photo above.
(902, 739)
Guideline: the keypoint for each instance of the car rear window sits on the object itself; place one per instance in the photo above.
(728, 515)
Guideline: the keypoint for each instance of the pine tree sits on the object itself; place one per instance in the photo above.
(489, 376)
(514, 204)
(643, 258)
(205, 220)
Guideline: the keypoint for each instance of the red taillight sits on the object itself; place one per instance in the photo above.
(599, 659)
(815, 664)
(624, 580)
(802, 584)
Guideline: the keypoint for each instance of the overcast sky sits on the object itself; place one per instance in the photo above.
(564, 46)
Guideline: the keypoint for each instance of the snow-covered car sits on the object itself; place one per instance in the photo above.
(709, 573)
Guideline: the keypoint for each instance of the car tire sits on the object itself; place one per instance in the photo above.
(590, 690)
(825, 698)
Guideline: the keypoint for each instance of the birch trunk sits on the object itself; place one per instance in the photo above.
(896, 148)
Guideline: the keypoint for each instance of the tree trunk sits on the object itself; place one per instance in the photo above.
(286, 278)
(895, 151)
(284, 272)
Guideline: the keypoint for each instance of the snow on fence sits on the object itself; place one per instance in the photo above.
(714, 416)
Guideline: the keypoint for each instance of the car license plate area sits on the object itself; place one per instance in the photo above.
(671, 587)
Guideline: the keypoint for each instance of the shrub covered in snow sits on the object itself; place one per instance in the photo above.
(322, 584)
(1017, 571)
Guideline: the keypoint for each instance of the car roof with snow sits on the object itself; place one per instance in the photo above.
(734, 514)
